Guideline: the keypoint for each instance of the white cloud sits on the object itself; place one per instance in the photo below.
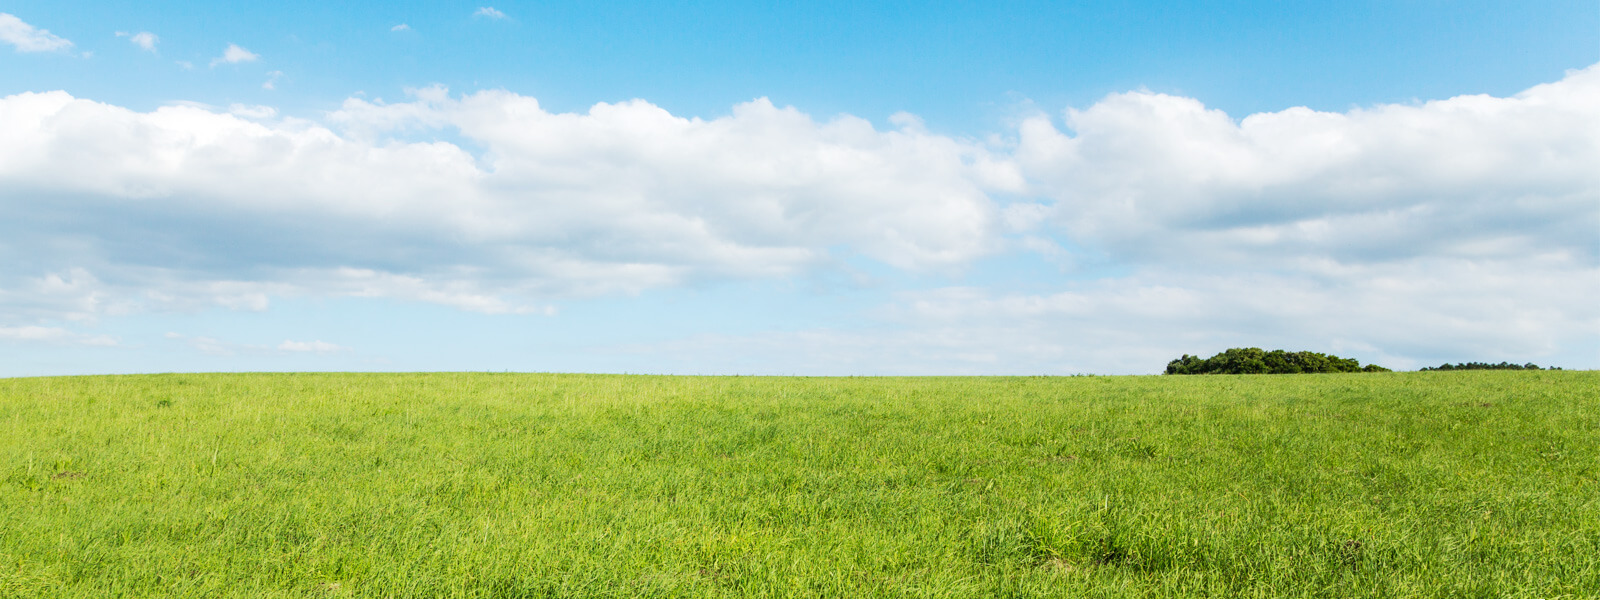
(28, 39)
(71, 294)
(318, 346)
(33, 333)
(1161, 178)
(272, 80)
(489, 11)
(1296, 224)
(400, 27)
(54, 335)
(215, 347)
(255, 111)
(143, 39)
(234, 54)
(208, 345)
(621, 199)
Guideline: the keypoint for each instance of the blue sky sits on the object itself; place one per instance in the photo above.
(817, 188)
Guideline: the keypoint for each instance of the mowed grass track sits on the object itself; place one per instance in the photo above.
(1400, 484)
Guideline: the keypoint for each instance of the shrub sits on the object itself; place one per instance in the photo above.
(1472, 366)
(1252, 361)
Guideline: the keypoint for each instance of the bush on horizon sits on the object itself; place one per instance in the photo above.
(1255, 361)
(1478, 366)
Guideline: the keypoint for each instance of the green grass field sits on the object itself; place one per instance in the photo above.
(1400, 484)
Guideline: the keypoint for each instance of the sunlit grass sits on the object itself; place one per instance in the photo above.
(1406, 484)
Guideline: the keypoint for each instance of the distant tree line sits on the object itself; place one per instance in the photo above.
(1253, 361)
(1474, 366)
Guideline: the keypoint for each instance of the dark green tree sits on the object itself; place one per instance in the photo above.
(1250, 361)
(1475, 366)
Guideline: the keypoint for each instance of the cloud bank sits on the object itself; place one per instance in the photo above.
(1395, 229)
(624, 198)
(1158, 178)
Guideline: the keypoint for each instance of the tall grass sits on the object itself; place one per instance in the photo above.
(1407, 484)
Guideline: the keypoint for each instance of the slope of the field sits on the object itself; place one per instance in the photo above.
(1402, 484)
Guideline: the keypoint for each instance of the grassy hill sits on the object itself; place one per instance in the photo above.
(1396, 484)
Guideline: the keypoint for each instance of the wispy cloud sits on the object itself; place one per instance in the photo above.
(489, 11)
(207, 345)
(143, 39)
(272, 80)
(215, 347)
(400, 27)
(318, 346)
(252, 111)
(27, 38)
(55, 335)
(234, 54)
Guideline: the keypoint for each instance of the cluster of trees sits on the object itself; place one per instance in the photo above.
(1504, 366)
(1251, 361)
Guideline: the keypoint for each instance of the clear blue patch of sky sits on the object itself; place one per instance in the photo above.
(961, 65)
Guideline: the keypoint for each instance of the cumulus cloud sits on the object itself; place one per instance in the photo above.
(490, 12)
(143, 39)
(71, 294)
(234, 54)
(1162, 178)
(623, 198)
(27, 38)
(1368, 229)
